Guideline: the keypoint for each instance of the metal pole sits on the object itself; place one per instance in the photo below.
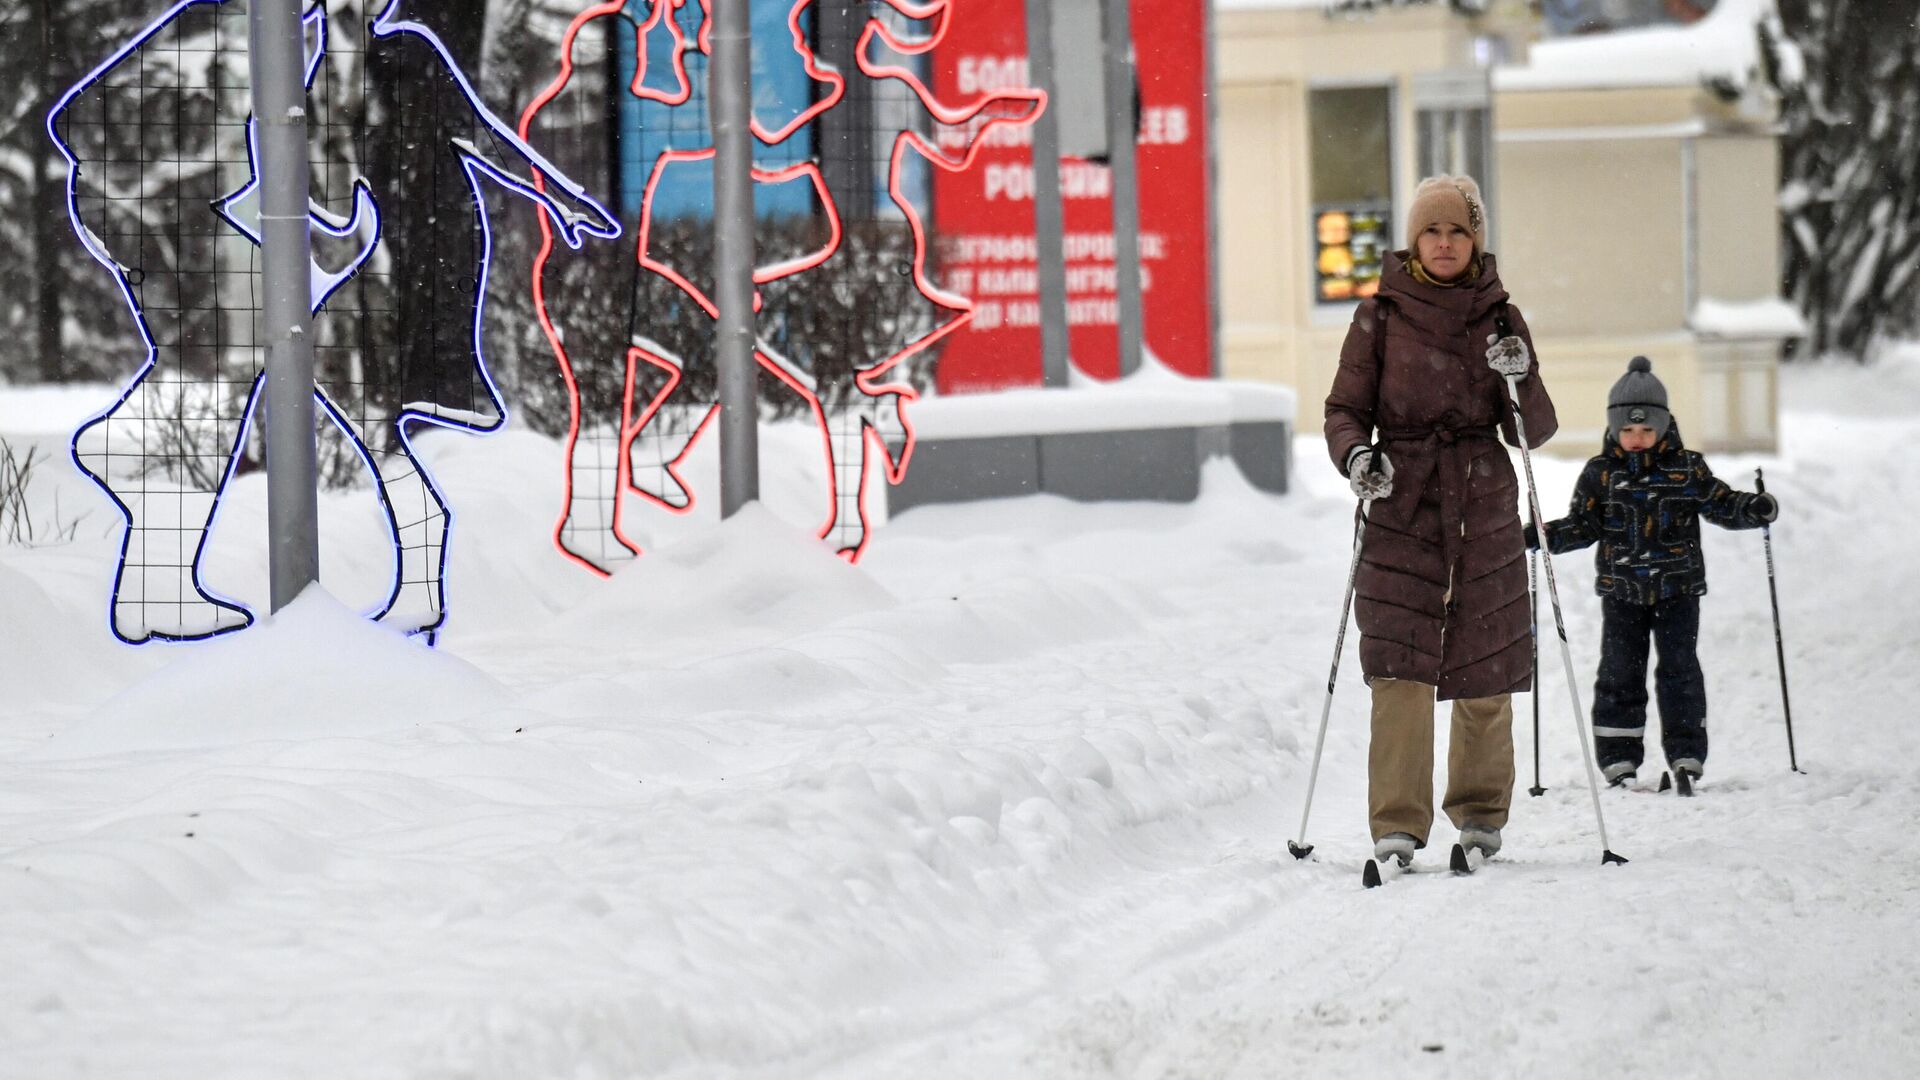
(1049, 218)
(276, 57)
(1300, 848)
(1559, 622)
(730, 108)
(1121, 135)
(1533, 633)
(1213, 201)
(1779, 646)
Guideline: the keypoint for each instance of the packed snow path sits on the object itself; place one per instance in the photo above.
(1010, 800)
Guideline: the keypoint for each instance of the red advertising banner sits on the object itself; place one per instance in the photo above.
(983, 217)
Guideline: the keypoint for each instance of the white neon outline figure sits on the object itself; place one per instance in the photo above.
(418, 513)
(196, 612)
(871, 417)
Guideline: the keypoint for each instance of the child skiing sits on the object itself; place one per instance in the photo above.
(1641, 500)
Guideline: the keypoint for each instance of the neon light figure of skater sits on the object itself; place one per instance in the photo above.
(191, 401)
(651, 417)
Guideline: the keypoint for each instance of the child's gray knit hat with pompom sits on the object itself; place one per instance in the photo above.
(1638, 398)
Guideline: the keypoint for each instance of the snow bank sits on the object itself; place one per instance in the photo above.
(1724, 45)
(313, 670)
(503, 570)
(47, 410)
(752, 569)
(46, 655)
(1009, 799)
(1838, 392)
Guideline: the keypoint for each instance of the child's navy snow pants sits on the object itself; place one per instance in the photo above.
(1620, 692)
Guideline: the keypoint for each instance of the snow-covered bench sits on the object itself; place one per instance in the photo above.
(1144, 437)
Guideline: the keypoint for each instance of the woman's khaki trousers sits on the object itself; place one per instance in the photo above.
(1400, 760)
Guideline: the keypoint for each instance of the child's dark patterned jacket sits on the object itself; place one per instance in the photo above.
(1644, 511)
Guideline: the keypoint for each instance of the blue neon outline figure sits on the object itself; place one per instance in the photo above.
(196, 612)
(417, 513)
(242, 208)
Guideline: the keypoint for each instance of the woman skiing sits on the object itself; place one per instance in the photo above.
(1442, 587)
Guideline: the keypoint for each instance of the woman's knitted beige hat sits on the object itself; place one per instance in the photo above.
(1452, 199)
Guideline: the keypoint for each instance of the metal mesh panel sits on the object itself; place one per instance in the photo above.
(404, 153)
(846, 306)
(607, 132)
(157, 135)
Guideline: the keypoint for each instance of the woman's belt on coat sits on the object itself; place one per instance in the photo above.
(1450, 476)
(1444, 433)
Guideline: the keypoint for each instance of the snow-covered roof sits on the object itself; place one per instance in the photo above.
(1747, 318)
(1725, 44)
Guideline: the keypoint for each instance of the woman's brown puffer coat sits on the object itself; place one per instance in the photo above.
(1442, 587)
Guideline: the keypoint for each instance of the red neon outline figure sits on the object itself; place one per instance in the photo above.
(651, 437)
(632, 422)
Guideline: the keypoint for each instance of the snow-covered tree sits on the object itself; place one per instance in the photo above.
(1849, 76)
(56, 307)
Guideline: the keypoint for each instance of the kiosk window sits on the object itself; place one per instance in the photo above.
(1352, 150)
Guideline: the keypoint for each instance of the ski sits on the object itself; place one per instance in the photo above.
(1377, 873)
(1457, 861)
(1372, 876)
(1680, 782)
(1650, 788)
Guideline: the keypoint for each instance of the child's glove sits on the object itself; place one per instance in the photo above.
(1764, 508)
(1508, 356)
(1532, 536)
(1366, 483)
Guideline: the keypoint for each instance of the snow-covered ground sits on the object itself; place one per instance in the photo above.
(1008, 800)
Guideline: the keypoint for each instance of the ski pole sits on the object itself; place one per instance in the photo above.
(1533, 613)
(1559, 622)
(1300, 848)
(1779, 649)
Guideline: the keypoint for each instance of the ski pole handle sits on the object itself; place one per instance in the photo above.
(1759, 482)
